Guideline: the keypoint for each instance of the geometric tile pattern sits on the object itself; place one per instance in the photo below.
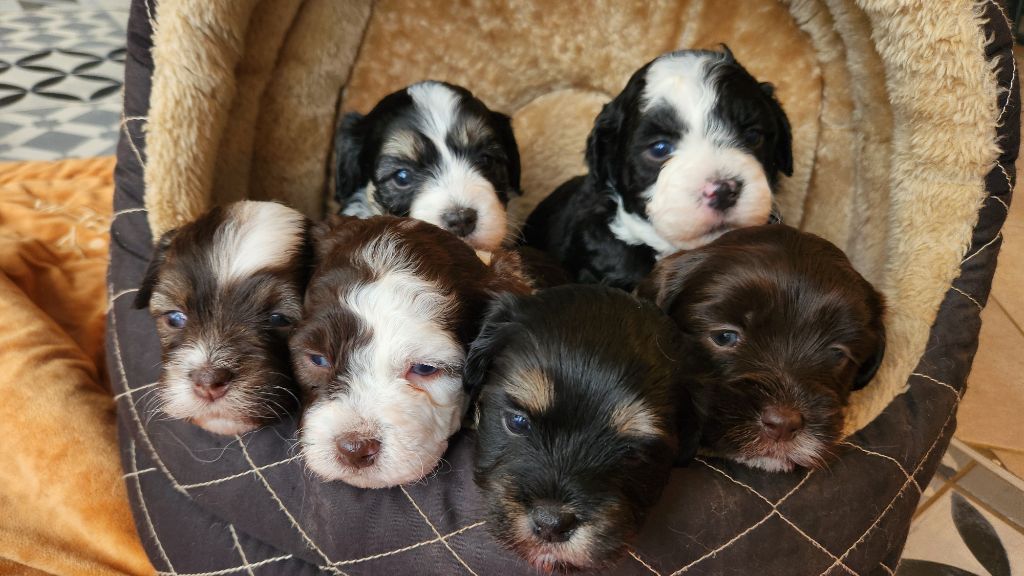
(61, 71)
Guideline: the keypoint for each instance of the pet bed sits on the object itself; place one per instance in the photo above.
(905, 117)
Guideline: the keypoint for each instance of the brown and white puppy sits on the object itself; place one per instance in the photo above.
(224, 291)
(779, 330)
(389, 313)
(582, 413)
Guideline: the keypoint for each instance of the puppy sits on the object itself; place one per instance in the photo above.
(691, 148)
(224, 291)
(581, 414)
(390, 311)
(780, 329)
(432, 152)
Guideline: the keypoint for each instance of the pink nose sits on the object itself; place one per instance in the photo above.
(359, 452)
(211, 383)
(721, 194)
(781, 424)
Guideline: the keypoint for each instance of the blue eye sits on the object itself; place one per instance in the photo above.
(278, 320)
(660, 150)
(176, 319)
(423, 369)
(402, 178)
(319, 361)
(517, 423)
(725, 338)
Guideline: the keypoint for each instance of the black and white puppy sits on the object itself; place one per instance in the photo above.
(779, 328)
(434, 152)
(691, 148)
(390, 311)
(224, 291)
(581, 415)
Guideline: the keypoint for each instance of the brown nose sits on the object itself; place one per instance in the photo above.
(359, 452)
(781, 424)
(460, 221)
(211, 383)
(551, 522)
(722, 194)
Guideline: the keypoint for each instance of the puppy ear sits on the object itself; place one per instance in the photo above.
(727, 52)
(783, 134)
(507, 138)
(488, 344)
(688, 428)
(323, 235)
(348, 143)
(670, 277)
(870, 366)
(602, 143)
(509, 273)
(152, 274)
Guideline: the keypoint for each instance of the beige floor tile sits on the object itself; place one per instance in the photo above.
(991, 411)
(1012, 461)
(1008, 285)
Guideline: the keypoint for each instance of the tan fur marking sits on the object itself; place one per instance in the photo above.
(401, 145)
(635, 419)
(532, 390)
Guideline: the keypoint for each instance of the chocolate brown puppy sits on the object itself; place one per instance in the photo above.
(779, 329)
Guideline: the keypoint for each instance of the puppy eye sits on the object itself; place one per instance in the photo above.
(278, 320)
(754, 137)
(423, 369)
(839, 354)
(517, 423)
(660, 150)
(318, 361)
(402, 178)
(175, 319)
(725, 338)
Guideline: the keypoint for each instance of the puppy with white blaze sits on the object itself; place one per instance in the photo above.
(691, 148)
(389, 313)
(225, 291)
(434, 152)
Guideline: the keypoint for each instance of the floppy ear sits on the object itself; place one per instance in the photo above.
(870, 366)
(152, 274)
(507, 138)
(603, 141)
(348, 143)
(688, 427)
(783, 134)
(322, 235)
(669, 278)
(727, 52)
(509, 273)
(488, 344)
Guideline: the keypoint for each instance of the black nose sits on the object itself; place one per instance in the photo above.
(358, 451)
(551, 522)
(460, 221)
(211, 383)
(722, 194)
(781, 424)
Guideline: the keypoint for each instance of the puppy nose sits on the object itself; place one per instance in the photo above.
(460, 221)
(552, 523)
(211, 383)
(721, 194)
(360, 452)
(781, 424)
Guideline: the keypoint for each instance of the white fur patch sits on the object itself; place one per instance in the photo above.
(679, 215)
(178, 400)
(255, 236)
(412, 423)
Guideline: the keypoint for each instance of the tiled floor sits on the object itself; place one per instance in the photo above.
(60, 77)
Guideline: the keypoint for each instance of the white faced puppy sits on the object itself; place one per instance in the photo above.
(433, 152)
(389, 313)
(691, 148)
(224, 291)
(582, 412)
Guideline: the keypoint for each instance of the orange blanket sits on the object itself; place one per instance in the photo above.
(63, 505)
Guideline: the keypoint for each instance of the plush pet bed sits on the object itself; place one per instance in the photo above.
(905, 119)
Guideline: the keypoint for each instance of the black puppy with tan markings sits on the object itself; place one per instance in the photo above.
(581, 414)
(779, 329)
(225, 290)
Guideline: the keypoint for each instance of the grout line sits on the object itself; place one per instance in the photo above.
(1009, 316)
(1003, 473)
(944, 488)
(988, 508)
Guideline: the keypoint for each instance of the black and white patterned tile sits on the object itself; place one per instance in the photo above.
(61, 71)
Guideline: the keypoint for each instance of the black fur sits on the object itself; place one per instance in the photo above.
(572, 224)
(599, 349)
